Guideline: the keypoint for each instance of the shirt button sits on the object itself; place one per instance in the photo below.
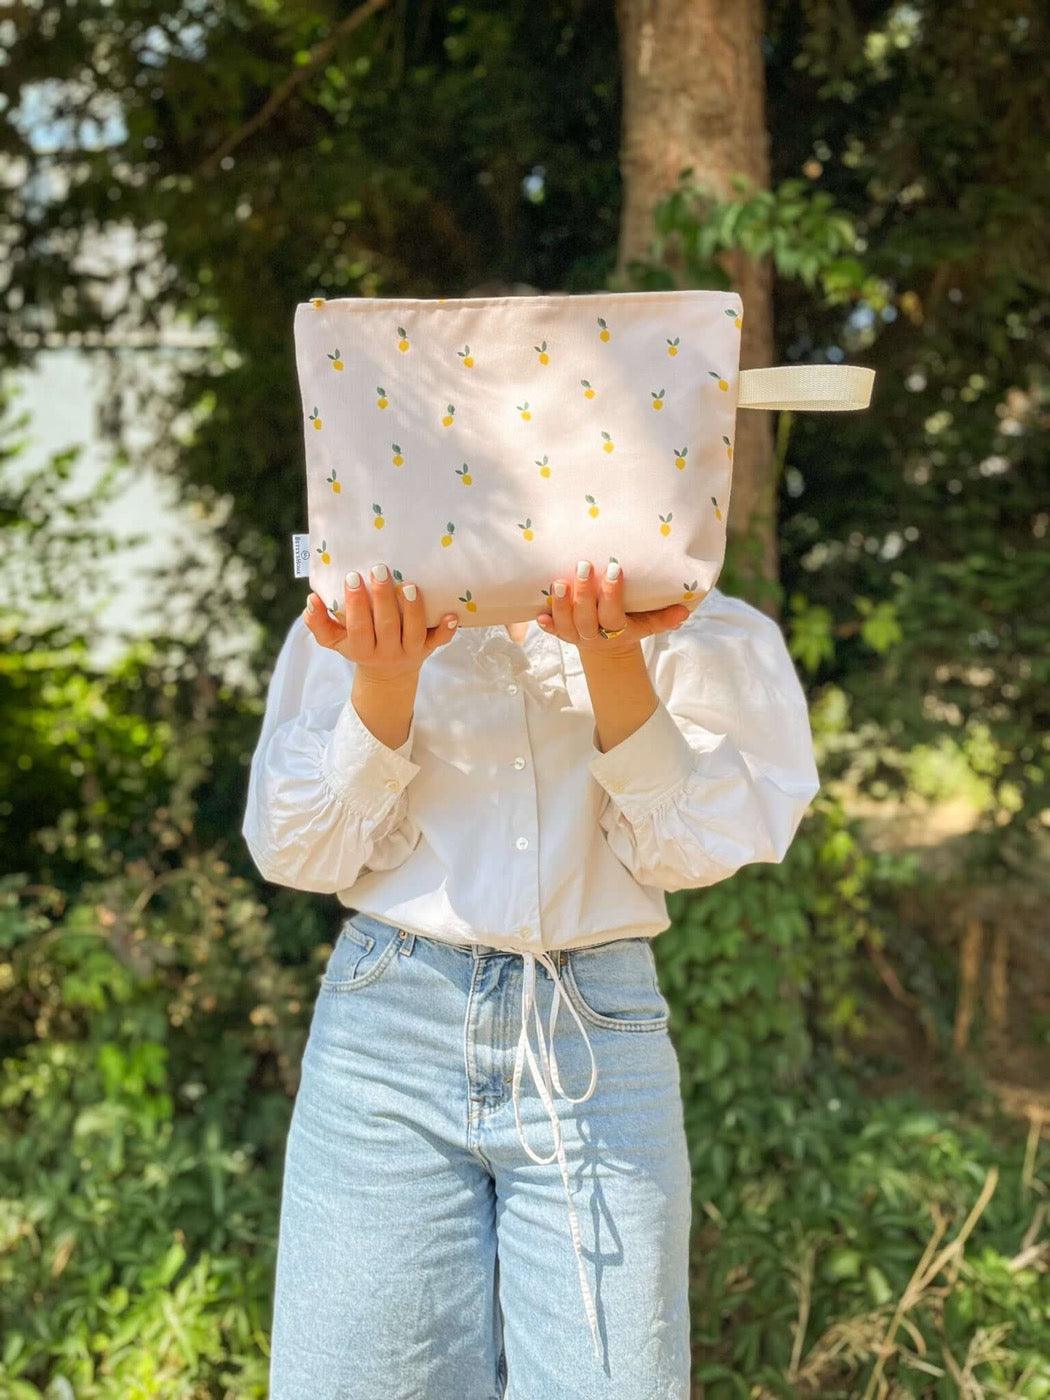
(519, 763)
(522, 842)
(393, 785)
(512, 690)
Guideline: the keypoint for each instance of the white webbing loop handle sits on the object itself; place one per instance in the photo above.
(815, 387)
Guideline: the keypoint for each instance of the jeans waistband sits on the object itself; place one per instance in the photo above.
(372, 922)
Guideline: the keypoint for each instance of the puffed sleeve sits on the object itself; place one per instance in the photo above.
(722, 771)
(326, 798)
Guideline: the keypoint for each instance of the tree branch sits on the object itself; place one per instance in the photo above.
(318, 56)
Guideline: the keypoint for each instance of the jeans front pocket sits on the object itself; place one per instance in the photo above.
(358, 958)
(615, 985)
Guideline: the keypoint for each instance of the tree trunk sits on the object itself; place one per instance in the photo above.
(694, 95)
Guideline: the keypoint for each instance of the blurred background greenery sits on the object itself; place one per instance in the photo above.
(864, 1031)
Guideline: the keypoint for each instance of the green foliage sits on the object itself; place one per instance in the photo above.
(812, 1217)
(797, 227)
(149, 1040)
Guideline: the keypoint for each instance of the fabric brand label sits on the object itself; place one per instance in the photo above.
(301, 555)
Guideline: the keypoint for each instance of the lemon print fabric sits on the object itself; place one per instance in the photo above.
(490, 438)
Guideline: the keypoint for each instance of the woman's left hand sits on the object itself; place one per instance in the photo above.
(589, 603)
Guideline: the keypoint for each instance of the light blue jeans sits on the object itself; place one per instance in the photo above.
(422, 1254)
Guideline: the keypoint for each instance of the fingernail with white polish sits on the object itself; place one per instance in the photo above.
(353, 579)
(409, 591)
(613, 571)
(583, 569)
(559, 589)
(453, 621)
(310, 603)
(379, 572)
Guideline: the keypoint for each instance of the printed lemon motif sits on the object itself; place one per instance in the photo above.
(729, 447)
(593, 509)
(608, 445)
(527, 532)
(544, 465)
(450, 413)
(402, 344)
(588, 389)
(382, 401)
(658, 399)
(464, 354)
(524, 410)
(718, 513)
(335, 608)
(397, 458)
(604, 334)
(546, 596)
(723, 384)
(541, 351)
(336, 361)
(468, 602)
(378, 522)
(464, 475)
(318, 302)
(690, 591)
(737, 316)
(672, 346)
(679, 457)
(315, 418)
(446, 540)
(399, 578)
(334, 482)
(322, 550)
(665, 523)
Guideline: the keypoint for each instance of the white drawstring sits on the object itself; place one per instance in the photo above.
(545, 1088)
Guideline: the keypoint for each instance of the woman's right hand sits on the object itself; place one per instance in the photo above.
(386, 640)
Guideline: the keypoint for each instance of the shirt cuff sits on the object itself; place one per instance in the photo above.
(642, 770)
(360, 767)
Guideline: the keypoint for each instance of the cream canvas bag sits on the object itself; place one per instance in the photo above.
(480, 446)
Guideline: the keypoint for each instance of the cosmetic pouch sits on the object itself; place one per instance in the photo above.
(480, 446)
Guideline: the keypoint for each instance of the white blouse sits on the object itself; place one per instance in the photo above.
(499, 821)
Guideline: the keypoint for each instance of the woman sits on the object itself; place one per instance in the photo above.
(504, 812)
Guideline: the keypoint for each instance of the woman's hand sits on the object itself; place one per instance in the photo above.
(588, 603)
(386, 640)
